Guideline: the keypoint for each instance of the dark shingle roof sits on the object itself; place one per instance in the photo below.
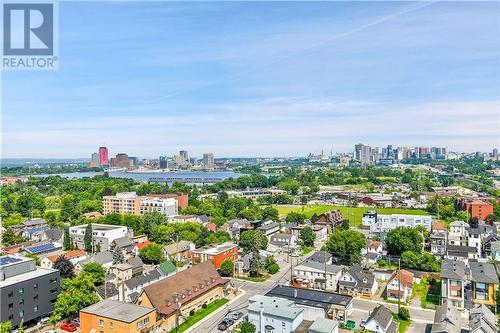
(453, 269)
(54, 234)
(310, 297)
(364, 279)
(320, 257)
(382, 315)
(483, 272)
(142, 279)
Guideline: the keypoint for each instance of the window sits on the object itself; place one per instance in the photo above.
(101, 322)
(11, 306)
(110, 324)
(53, 280)
(21, 291)
(482, 291)
(11, 294)
(21, 302)
(35, 286)
(35, 308)
(53, 291)
(35, 298)
(146, 320)
(11, 317)
(21, 313)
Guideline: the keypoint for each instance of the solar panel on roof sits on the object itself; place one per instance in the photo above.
(8, 260)
(41, 248)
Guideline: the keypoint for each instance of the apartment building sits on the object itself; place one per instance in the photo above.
(458, 233)
(102, 234)
(216, 254)
(165, 206)
(122, 203)
(312, 274)
(27, 292)
(384, 223)
(109, 316)
(453, 277)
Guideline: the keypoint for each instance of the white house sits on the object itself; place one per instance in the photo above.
(458, 233)
(272, 314)
(381, 321)
(311, 274)
(400, 283)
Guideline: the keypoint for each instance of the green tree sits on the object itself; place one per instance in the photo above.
(69, 208)
(227, 268)
(295, 217)
(87, 239)
(249, 239)
(38, 261)
(118, 257)
(5, 327)
(76, 294)
(270, 213)
(402, 239)
(346, 245)
(96, 272)
(307, 236)
(152, 254)
(247, 327)
(404, 314)
(67, 240)
(8, 237)
(66, 268)
(151, 220)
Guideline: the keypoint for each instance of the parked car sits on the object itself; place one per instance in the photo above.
(225, 324)
(44, 320)
(76, 321)
(68, 327)
(236, 315)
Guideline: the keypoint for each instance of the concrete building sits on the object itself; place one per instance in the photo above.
(208, 161)
(438, 243)
(453, 278)
(165, 206)
(102, 234)
(109, 316)
(272, 314)
(122, 203)
(384, 223)
(27, 292)
(479, 209)
(254, 193)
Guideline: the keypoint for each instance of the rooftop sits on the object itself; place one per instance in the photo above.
(124, 312)
(310, 297)
(216, 249)
(483, 272)
(274, 306)
(453, 269)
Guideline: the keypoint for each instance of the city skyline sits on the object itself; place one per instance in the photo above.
(273, 80)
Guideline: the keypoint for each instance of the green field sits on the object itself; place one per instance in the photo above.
(353, 214)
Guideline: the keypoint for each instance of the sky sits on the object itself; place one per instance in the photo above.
(247, 79)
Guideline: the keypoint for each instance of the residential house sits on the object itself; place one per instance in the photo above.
(102, 234)
(35, 233)
(487, 244)
(216, 253)
(280, 242)
(319, 230)
(182, 294)
(180, 251)
(44, 248)
(438, 226)
(438, 240)
(322, 257)
(139, 246)
(122, 272)
(356, 281)
(474, 236)
(269, 227)
(131, 289)
(317, 303)
(246, 260)
(105, 258)
(453, 279)
(108, 316)
(92, 215)
(484, 282)
(330, 219)
(137, 265)
(53, 235)
(272, 314)
(400, 283)
(167, 268)
(312, 274)
(126, 244)
(459, 252)
(458, 233)
(73, 256)
(372, 253)
(495, 250)
(482, 320)
(31, 223)
(447, 319)
(381, 321)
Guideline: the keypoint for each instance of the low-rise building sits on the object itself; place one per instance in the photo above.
(482, 320)
(447, 319)
(102, 234)
(311, 274)
(453, 278)
(438, 240)
(322, 257)
(400, 283)
(458, 233)
(280, 241)
(254, 193)
(180, 251)
(126, 244)
(181, 295)
(316, 303)
(269, 227)
(272, 314)
(319, 230)
(323, 325)
(381, 321)
(384, 223)
(459, 252)
(109, 316)
(27, 292)
(356, 281)
(484, 282)
(73, 256)
(216, 254)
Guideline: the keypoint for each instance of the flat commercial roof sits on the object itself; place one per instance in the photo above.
(310, 297)
(125, 312)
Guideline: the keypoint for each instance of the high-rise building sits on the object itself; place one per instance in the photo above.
(120, 161)
(95, 161)
(495, 152)
(184, 155)
(163, 162)
(208, 160)
(365, 155)
(103, 155)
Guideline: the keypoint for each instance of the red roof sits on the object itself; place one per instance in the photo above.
(142, 245)
(406, 277)
(211, 226)
(68, 255)
(374, 244)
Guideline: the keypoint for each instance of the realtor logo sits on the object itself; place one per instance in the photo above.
(29, 32)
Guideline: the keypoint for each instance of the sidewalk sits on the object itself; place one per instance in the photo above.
(216, 312)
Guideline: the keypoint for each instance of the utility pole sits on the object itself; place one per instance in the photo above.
(399, 285)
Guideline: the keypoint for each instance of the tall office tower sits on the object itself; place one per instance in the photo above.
(184, 155)
(366, 155)
(208, 160)
(390, 151)
(163, 162)
(94, 161)
(103, 155)
(495, 152)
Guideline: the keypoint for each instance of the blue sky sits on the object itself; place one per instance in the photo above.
(260, 79)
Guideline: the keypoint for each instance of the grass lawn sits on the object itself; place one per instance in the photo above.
(200, 314)
(353, 214)
(403, 324)
(429, 294)
(255, 279)
(306, 250)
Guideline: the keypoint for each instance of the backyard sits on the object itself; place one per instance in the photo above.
(353, 214)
